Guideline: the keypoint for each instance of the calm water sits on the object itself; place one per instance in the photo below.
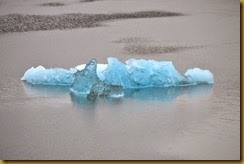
(201, 122)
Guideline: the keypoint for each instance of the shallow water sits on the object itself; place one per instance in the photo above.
(200, 122)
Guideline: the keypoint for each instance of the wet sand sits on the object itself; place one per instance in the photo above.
(24, 23)
(176, 123)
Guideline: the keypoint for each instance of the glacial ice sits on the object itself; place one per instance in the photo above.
(87, 82)
(199, 76)
(84, 80)
(150, 73)
(115, 74)
(106, 79)
(53, 76)
(102, 89)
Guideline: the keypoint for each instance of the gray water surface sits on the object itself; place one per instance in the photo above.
(200, 122)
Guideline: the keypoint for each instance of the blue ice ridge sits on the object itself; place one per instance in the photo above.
(96, 78)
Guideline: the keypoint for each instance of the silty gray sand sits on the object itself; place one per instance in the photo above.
(23, 23)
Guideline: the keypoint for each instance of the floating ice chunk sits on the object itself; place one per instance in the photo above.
(141, 73)
(54, 76)
(133, 74)
(115, 73)
(84, 80)
(150, 73)
(87, 82)
(199, 76)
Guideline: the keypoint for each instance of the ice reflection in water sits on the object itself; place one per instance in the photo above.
(48, 90)
(166, 94)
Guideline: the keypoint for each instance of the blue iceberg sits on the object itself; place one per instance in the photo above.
(142, 73)
(83, 80)
(108, 79)
(53, 76)
(87, 82)
(115, 74)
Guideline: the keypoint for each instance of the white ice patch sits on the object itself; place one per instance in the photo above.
(198, 76)
(100, 68)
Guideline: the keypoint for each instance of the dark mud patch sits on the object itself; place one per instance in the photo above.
(144, 49)
(24, 23)
(147, 46)
(133, 40)
(84, 1)
(53, 4)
